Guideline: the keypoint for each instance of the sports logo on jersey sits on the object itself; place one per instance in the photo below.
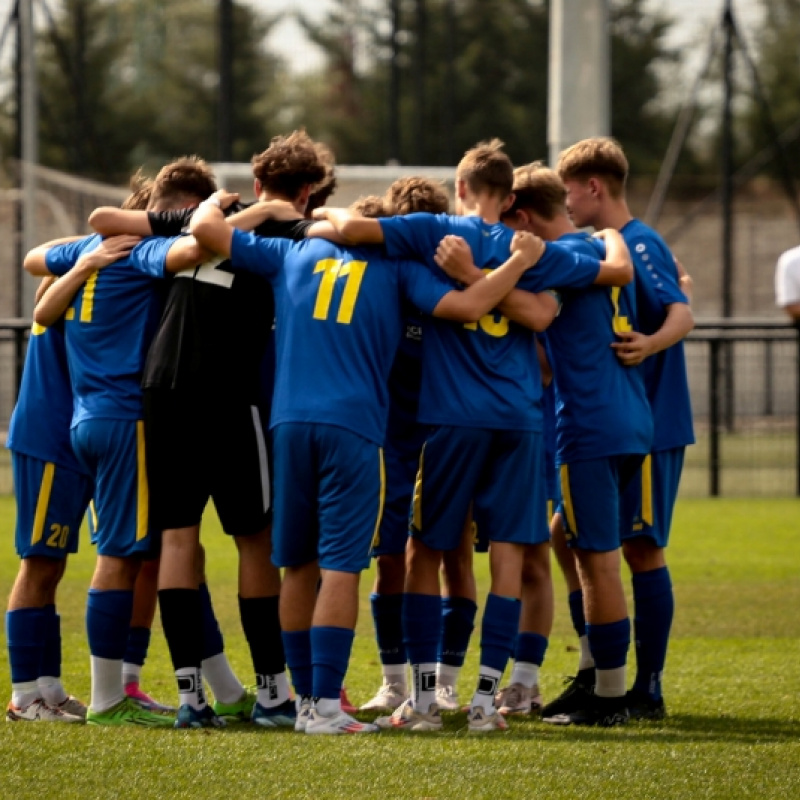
(641, 247)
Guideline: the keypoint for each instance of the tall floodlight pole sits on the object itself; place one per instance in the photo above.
(28, 122)
(225, 66)
(579, 96)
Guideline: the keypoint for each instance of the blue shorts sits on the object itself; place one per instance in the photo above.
(650, 497)
(401, 459)
(112, 451)
(51, 502)
(591, 500)
(329, 490)
(500, 472)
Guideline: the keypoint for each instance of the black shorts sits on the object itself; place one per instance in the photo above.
(198, 450)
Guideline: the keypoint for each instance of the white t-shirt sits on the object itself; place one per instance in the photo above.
(787, 278)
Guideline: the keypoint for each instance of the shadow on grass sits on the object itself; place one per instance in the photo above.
(677, 728)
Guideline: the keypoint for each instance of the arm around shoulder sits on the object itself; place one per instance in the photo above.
(616, 269)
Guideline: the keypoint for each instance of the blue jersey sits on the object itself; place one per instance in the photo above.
(484, 374)
(405, 378)
(548, 419)
(39, 426)
(339, 321)
(601, 406)
(665, 377)
(109, 328)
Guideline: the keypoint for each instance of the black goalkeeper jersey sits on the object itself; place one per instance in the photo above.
(216, 322)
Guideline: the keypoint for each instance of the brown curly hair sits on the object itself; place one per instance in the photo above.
(327, 186)
(370, 206)
(183, 180)
(289, 164)
(408, 195)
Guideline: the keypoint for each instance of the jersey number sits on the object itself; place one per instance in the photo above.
(493, 323)
(87, 301)
(332, 269)
(58, 537)
(619, 323)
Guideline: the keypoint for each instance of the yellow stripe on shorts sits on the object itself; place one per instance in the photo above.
(416, 503)
(566, 496)
(43, 502)
(376, 537)
(647, 490)
(142, 492)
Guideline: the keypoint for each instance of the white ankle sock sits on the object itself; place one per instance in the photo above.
(488, 681)
(275, 690)
(526, 673)
(107, 688)
(585, 661)
(424, 685)
(610, 682)
(24, 693)
(51, 689)
(221, 678)
(190, 687)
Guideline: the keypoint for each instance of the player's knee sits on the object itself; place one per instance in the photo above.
(41, 575)
(643, 555)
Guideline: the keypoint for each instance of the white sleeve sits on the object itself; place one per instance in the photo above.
(787, 278)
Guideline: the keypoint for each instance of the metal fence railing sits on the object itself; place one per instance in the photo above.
(744, 376)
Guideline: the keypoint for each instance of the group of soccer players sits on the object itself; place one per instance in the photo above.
(434, 384)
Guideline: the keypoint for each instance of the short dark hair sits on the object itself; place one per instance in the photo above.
(185, 179)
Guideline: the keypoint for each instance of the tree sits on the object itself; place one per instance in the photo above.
(135, 82)
(484, 75)
(777, 59)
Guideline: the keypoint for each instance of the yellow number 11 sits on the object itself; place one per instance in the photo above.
(331, 269)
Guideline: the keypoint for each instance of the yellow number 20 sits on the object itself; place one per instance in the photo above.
(332, 269)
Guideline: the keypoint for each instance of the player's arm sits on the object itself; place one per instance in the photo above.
(35, 261)
(208, 225)
(616, 269)
(112, 221)
(635, 347)
(533, 310)
(250, 218)
(484, 294)
(52, 304)
(352, 228)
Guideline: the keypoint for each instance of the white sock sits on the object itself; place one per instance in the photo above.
(221, 678)
(447, 675)
(585, 661)
(610, 682)
(107, 688)
(190, 688)
(24, 693)
(328, 706)
(396, 674)
(272, 689)
(52, 690)
(131, 673)
(488, 681)
(526, 673)
(423, 689)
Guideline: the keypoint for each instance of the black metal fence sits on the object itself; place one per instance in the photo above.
(745, 383)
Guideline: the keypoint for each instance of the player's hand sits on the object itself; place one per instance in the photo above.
(528, 245)
(320, 213)
(633, 348)
(226, 198)
(684, 279)
(110, 250)
(454, 256)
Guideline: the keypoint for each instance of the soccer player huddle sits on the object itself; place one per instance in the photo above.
(387, 381)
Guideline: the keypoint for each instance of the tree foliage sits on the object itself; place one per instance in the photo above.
(777, 60)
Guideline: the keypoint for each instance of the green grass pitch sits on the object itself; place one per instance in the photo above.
(732, 688)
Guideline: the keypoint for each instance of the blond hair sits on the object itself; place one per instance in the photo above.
(601, 157)
(486, 168)
(539, 189)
